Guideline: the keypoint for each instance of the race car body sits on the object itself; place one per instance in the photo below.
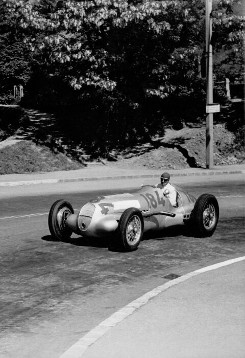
(102, 215)
(129, 215)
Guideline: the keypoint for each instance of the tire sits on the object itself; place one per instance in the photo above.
(58, 214)
(130, 229)
(205, 215)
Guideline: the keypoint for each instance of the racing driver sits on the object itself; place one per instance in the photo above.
(168, 189)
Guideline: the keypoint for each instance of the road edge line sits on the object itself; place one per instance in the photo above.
(119, 177)
(79, 348)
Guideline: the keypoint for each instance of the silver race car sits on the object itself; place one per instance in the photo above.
(128, 216)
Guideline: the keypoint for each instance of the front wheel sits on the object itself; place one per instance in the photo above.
(58, 215)
(205, 215)
(130, 229)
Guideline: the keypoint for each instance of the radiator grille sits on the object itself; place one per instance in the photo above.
(85, 216)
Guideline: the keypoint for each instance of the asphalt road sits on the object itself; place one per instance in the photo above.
(53, 292)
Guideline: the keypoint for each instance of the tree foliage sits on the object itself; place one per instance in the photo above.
(228, 39)
(123, 65)
(14, 61)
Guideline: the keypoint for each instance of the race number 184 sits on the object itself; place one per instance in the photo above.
(153, 201)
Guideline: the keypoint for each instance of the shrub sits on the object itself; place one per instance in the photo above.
(11, 118)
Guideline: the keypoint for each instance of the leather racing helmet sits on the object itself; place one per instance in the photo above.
(165, 176)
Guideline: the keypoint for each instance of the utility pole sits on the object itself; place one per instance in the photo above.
(209, 78)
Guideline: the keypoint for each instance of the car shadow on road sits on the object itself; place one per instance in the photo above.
(169, 232)
(49, 238)
(105, 242)
(81, 241)
(112, 244)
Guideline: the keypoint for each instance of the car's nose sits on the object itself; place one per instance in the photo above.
(85, 216)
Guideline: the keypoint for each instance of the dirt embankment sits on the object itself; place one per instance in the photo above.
(183, 149)
(177, 149)
(24, 156)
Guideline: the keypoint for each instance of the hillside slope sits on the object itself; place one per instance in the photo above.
(26, 157)
(182, 149)
(177, 149)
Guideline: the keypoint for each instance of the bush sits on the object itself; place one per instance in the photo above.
(11, 118)
(235, 123)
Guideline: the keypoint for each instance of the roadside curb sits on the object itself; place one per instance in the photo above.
(116, 177)
(78, 349)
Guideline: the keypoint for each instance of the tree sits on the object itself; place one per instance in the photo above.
(14, 61)
(125, 62)
(228, 39)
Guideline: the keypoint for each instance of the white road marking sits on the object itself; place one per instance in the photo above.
(25, 216)
(77, 349)
(230, 196)
(30, 182)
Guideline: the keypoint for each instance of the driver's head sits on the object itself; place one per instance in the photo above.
(165, 177)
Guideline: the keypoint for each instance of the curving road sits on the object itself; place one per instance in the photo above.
(53, 292)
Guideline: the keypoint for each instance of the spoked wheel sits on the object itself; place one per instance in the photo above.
(130, 229)
(206, 215)
(58, 215)
(209, 217)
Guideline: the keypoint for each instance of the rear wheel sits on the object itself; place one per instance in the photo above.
(205, 215)
(58, 215)
(130, 229)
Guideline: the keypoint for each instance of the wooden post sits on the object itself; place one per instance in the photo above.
(209, 78)
(227, 86)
